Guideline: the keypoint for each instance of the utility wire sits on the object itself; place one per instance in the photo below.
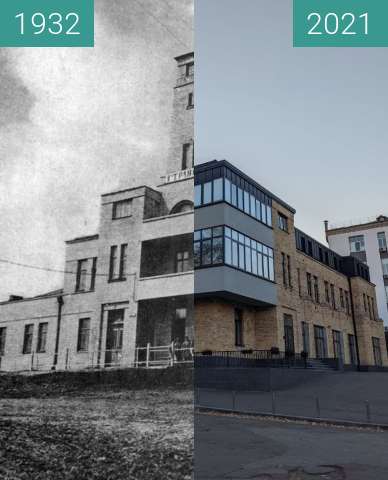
(48, 269)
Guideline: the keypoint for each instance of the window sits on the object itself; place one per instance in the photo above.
(377, 351)
(320, 341)
(284, 269)
(289, 271)
(347, 302)
(82, 273)
(299, 283)
(333, 302)
(189, 70)
(352, 349)
(93, 276)
(337, 345)
(381, 238)
(187, 155)
(122, 209)
(83, 334)
(369, 307)
(233, 189)
(118, 265)
(282, 222)
(27, 341)
(238, 325)
(365, 304)
(3, 336)
(183, 261)
(342, 299)
(327, 293)
(309, 285)
(316, 289)
(218, 245)
(306, 337)
(42, 337)
(357, 244)
(384, 263)
(190, 100)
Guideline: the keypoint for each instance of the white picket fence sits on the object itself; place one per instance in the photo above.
(162, 356)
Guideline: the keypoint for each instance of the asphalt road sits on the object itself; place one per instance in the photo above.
(232, 448)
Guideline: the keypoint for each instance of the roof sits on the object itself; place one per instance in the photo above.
(219, 163)
(86, 238)
(376, 222)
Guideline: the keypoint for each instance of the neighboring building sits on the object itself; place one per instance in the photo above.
(260, 283)
(128, 286)
(367, 242)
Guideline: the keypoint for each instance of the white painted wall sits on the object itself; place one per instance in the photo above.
(340, 244)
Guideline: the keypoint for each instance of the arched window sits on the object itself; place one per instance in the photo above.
(183, 206)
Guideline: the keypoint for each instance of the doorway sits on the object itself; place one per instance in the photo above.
(114, 337)
(289, 342)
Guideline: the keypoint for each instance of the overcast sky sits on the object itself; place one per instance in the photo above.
(309, 124)
(78, 122)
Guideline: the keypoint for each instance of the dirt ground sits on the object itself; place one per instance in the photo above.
(131, 435)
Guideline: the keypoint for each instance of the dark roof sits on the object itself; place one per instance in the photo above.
(219, 163)
(184, 55)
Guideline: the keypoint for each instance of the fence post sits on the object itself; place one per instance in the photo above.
(273, 403)
(32, 362)
(368, 411)
(67, 359)
(148, 355)
(318, 407)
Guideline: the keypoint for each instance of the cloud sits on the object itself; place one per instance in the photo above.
(89, 121)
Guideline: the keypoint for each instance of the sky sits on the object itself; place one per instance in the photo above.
(79, 122)
(309, 124)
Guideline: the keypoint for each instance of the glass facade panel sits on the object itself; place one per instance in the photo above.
(223, 245)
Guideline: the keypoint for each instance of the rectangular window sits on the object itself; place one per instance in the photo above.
(282, 222)
(342, 300)
(365, 304)
(333, 302)
(284, 269)
(82, 273)
(189, 70)
(377, 351)
(306, 337)
(207, 193)
(357, 244)
(182, 261)
(187, 156)
(123, 261)
(289, 271)
(327, 293)
(27, 340)
(3, 336)
(238, 325)
(381, 238)
(190, 100)
(320, 342)
(42, 337)
(352, 349)
(94, 272)
(337, 344)
(309, 285)
(113, 264)
(384, 264)
(316, 289)
(347, 303)
(197, 195)
(83, 334)
(217, 190)
(122, 209)
(118, 262)
(299, 283)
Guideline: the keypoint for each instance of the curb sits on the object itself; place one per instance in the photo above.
(326, 421)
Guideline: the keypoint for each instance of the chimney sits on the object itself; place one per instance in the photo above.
(326, 223)
(15, 298)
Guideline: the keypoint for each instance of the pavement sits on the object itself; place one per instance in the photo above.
(232, 448)
(340, 396)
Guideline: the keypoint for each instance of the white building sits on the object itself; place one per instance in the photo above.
(368, 242)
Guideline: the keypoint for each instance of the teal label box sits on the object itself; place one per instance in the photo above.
(46, 23)
(340, 23)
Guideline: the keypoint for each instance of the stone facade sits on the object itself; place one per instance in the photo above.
(119, 293)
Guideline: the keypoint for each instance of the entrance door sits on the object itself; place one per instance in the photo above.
(114, 337)
(337, 345)
(320, 342)
(289, 343)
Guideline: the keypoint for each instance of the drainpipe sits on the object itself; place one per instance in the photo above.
(354, 323)
(60, 306)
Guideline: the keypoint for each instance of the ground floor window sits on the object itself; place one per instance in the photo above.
(377, 351)
(83, 334)
(289, 343)
(3, 334)
(352, 349)
(306, 337)
(27, 340)
(238, 327)
(337, 344)
(42, 337)
(320, 341)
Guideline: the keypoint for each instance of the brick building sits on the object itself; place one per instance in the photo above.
(127, 286)
(261, 283)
